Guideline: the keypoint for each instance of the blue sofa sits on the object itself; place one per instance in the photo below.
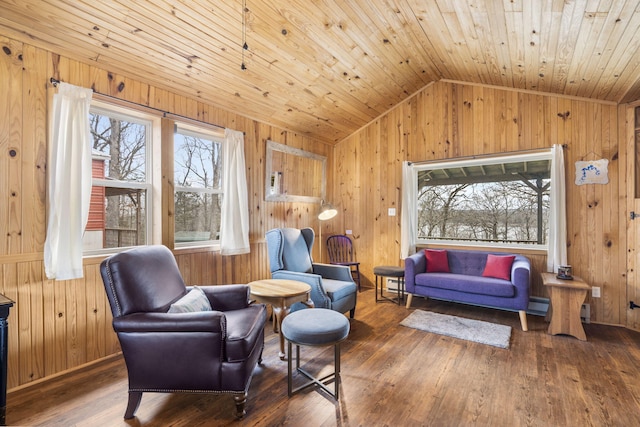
(465, 283)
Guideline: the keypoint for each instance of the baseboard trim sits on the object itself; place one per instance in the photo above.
(538, 306)
(65, 372)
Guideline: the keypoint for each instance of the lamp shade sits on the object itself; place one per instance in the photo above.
(327, 211)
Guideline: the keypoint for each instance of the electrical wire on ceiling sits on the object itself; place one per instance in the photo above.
(245, 46)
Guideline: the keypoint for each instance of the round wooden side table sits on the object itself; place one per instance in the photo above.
(281, 295)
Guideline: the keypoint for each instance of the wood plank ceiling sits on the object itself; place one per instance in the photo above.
(325, 68)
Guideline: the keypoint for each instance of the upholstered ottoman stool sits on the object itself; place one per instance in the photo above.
(389, 271)
(315, 327)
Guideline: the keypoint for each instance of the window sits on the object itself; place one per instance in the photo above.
(198, 185)
(120, 213)
(500, 200)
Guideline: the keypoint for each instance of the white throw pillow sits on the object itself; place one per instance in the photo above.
(194, 300)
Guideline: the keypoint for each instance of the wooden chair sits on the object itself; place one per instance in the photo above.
(340, 250)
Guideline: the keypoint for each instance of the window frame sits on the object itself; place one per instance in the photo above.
(490, 159)
(152, 184)
(209, 133)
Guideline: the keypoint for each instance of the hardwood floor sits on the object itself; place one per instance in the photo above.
(391, 376)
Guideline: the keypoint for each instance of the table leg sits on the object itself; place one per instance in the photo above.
(279, 313)
(276, 327)
(565, 314)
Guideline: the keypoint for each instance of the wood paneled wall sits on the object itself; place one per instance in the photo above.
(450, 119)
(58, 326)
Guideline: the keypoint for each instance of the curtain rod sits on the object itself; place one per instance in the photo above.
(165, 114)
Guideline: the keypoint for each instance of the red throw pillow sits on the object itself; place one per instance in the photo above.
(437, 261)
(498, 266)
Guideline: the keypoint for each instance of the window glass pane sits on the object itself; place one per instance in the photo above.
(198, 161)
(197, 216)
(122, 145)
(198, 167)
(494, 202)
(120, 223)
(118, 212)
(125, 223)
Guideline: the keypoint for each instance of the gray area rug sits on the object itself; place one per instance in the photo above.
(459, 327)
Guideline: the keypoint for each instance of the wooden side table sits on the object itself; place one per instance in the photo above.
(281, 294)
(566, 298)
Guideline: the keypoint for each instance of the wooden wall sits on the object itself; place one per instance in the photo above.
(58, 326)
(450, 119)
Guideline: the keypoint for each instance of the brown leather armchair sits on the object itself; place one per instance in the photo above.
(213, 351)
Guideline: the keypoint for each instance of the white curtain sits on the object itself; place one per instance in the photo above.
(408, 228)
(234, 227)
(557, 239)
(69, 182)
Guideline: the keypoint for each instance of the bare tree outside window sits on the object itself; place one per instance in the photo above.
(117, 215)
(198, 184)
(494, 203)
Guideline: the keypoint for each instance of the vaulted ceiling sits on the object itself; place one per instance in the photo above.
(325, 68)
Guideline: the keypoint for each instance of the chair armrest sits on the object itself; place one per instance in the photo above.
(227, 297)
(318, 294)
(333, 271)
(201, 321)
(163, 350)
(414, 264)
(346, 263)
(521, 275)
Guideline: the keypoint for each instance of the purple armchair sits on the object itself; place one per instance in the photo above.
(212, 351)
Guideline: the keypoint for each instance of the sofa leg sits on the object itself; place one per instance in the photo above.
(240, 399)
(409, 298)
(523, 320)
(132, 406)
(260, 357)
